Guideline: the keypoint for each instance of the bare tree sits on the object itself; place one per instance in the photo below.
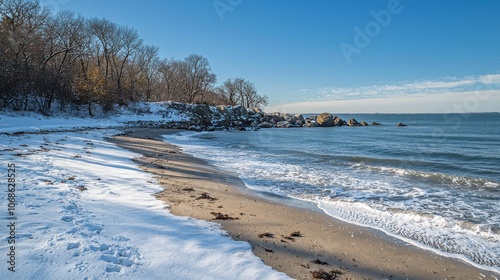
(188, 80)
(229, 90)
(198, 79)
(105, 50)
(171, 79)
(21, 24)
(65, 59)
(145, 73)
(239, 91)
(65, 40)
(127, 43)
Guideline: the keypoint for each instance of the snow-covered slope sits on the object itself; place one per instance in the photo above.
(29, 122)
(85, 211)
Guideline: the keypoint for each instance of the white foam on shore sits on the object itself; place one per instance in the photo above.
(440, 235)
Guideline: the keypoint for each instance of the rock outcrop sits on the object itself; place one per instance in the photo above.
(201, 117)
(353, 122)
(325, 120)
(204, 113)
(338, 121)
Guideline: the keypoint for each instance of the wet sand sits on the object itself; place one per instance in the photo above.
(196, 189)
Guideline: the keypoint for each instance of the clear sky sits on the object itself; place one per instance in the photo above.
(331, 55)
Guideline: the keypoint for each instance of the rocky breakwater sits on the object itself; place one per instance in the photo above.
(211, 118)
(201, 117)
(329, 120)
(281, 120)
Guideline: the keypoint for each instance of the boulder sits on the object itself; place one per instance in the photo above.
(181, 107)
(353, 122)
(194, 121)
(286, 117)
(300, 117)
(277, 118)
(201, 110)
(376, 123)
(255, 123)
(338, 121)
(223, 110)
(203, 113)
(363, 123)
(265, 125)
(221, 123)
(401, 124)
(240, 113)
(325, 120)
(310, 124)
(257, 110)
(283, 124)
(266, 118)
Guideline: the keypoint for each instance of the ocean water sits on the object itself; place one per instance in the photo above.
(434, 183)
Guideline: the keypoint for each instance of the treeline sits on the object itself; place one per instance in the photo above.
(49, 61)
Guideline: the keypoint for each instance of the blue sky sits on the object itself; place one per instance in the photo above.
(436, 51)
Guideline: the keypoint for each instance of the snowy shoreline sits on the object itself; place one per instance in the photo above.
(85, 211)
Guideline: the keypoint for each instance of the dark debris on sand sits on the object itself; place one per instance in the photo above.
(206, 196)
(269, 250)
(321, 274)
(220, 216)
(288, 238)
(320, 262)
(266, 235)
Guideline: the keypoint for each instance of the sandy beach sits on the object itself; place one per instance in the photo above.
(295, 239)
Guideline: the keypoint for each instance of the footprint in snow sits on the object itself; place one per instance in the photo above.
(112, 268)
(73, 245)
(118, 256)
(81, 266)
(67, 219)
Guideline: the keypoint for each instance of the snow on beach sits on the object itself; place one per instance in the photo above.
(84, 210)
